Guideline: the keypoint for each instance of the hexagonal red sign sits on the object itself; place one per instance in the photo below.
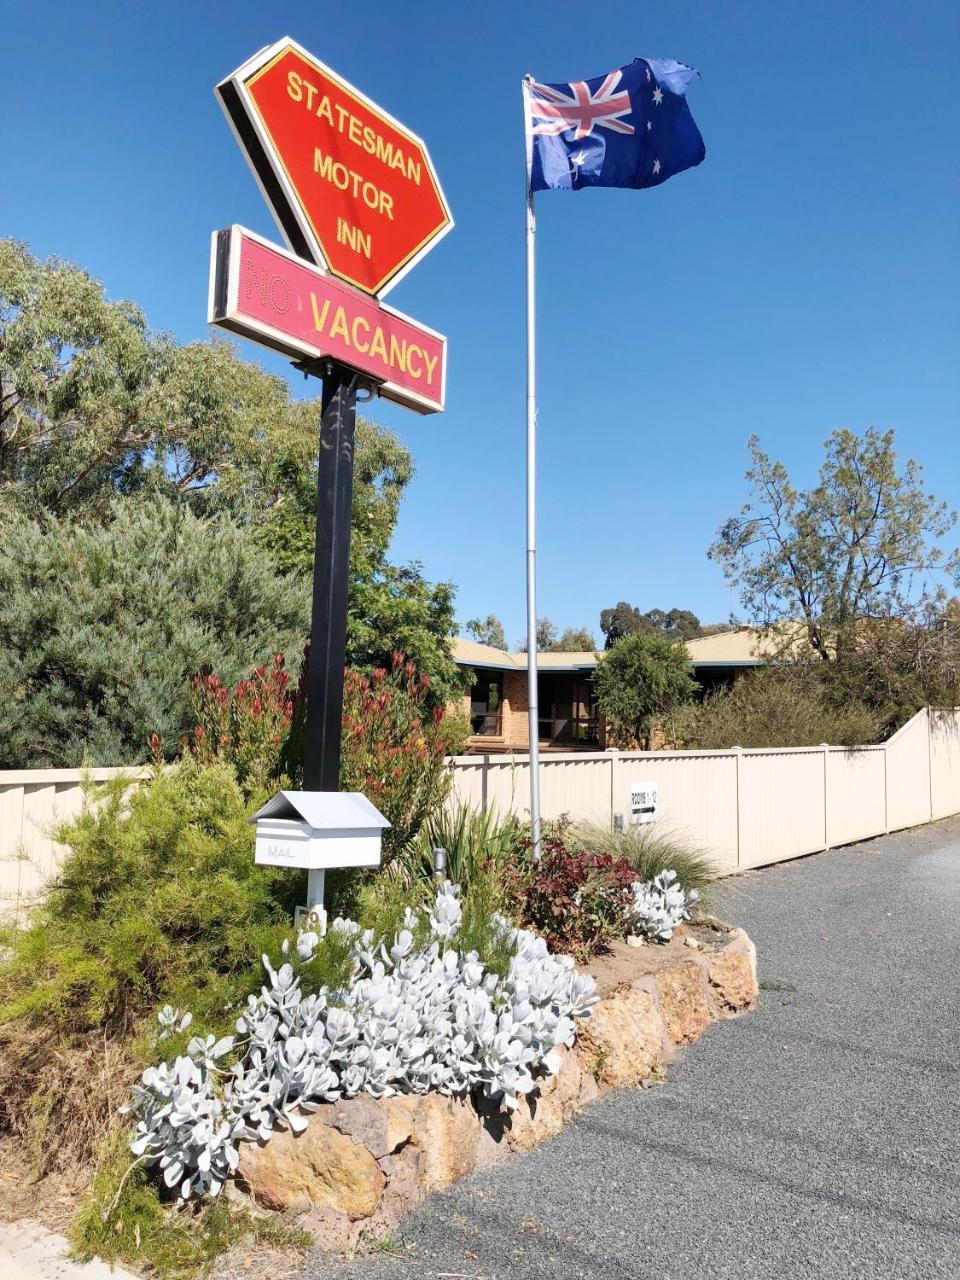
(352, 189)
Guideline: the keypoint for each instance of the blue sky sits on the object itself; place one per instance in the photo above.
(805, 276)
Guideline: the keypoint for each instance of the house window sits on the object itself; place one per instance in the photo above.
(485, 705)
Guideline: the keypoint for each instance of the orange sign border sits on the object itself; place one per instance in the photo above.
(236, 89)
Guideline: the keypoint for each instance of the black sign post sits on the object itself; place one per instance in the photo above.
(331, 564)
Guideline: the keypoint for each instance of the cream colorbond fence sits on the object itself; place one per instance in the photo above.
(746, 808)
(32, 803)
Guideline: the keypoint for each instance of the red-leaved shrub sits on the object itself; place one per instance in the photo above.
(392, 747)
(578, 901)
(248, 725)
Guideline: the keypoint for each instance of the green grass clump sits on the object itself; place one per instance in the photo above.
(648, 851)
(122, 1219)
(474, 840)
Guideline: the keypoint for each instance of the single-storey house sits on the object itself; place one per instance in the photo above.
(496, 702)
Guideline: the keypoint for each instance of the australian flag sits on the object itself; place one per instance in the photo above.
(631, 128)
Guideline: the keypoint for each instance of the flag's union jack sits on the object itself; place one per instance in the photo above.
(579, 111)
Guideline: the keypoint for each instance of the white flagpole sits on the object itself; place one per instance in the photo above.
(533, 712)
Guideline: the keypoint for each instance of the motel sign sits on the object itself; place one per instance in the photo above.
(357, 199)
(266, 294)
(352, 189)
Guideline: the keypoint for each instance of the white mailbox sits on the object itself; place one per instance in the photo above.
(643, 803)
(319, 830)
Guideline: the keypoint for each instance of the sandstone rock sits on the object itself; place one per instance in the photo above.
(445, 1129)
(733, 975)
(634, 941)
(690, 941)
(403, 1192)
(319, 1168)
(492, 1145)
(366, 1120)
(683, 1001)
(622, 1038)
(543, 1114)
(332, 1231)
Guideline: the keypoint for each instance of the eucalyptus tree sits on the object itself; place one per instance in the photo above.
(860, 547)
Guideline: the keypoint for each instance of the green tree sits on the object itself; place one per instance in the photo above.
(547, 636)
(101, 626)
(642, 677)
(860, 545)
(575, 640)
(488, 630)
(620, 621)
(94, 405)
(624, 619)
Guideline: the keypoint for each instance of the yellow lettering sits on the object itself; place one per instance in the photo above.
(386, 205)
(413, 171)
(324, 109)
(431, 363)
(311, 90)
(339, 327)
(414, 350)
(384, 151)
(357, 322)
(398, 354)
(319, 317)
(397, 160)
(322, 164)
(342, 114)
(294, 86)
(378, 347)
(354, 130)
(369, 141)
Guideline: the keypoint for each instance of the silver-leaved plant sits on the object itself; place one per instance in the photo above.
(659, 905)
(411, 1019)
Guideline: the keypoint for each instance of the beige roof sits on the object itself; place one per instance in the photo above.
(746, 646)
(470, 654)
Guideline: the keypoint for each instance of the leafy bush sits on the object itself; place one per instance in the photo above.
(792, 706)
(102, 625)
(122, 1220)
(157, 899)
(414, 1017)
(644, 676)
(475, 841)
(648, 852)
(248, 725)
(393, 748)
(577, 900)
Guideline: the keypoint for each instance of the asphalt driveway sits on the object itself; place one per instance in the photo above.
(817, 1137)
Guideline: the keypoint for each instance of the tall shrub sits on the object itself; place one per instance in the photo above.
(642, 677)
(102, 624)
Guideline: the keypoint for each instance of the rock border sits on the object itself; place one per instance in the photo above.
(363, 1164)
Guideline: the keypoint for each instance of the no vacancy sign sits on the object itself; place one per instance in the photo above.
(269, 295)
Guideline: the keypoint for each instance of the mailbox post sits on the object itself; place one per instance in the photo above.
(318, 831)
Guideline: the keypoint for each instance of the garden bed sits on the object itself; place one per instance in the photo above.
(362, 1164)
